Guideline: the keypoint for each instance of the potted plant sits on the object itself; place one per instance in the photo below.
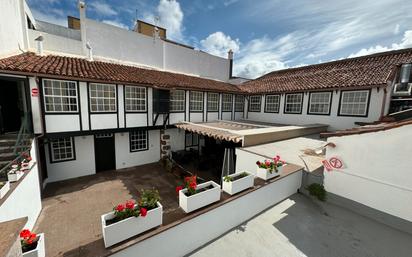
(193, 196)
(269, 168)
(26, 163)
(32, 245)
(130, 219)
(235, 183)
(4, 188)
(15, 174)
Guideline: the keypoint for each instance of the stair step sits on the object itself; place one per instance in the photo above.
(3, 163)
(9, 136)
(6, 149)
(7, 156)
(7, 142)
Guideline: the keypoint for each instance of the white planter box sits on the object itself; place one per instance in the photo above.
(127, 228)
(238, 185)
(28, 167)
(15, 176)
(39, 251)
(199, 200)
(4, 189)
(266, 175)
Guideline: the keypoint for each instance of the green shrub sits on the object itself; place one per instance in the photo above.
(149, 198)
(318, 191)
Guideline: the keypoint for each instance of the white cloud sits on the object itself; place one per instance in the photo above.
(102, 9)
(219, 44)
(50, 16)
(229, 2)
(170, 17)
(116, 23)
(405, 43)
(396, 30)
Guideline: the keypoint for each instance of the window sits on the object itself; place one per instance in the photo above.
(319, 102)
(60, 96)
(135, 99)
(354, 103)
(102, 97)
(212, 102)
(138, 140)
(272, 103)
(239, 103)
(293, 103)
(196, 101)
(62, 149)
(254, 104)
(177, 101)
(191, 139)
(227, 101)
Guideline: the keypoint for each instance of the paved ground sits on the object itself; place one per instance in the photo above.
(71, 209)
(298, 227)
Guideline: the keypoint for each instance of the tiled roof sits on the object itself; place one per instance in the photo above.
(367, 129)
(82, 69)
(366, 71)
(209, 131)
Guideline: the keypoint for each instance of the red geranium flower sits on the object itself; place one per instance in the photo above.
(120, 207)
(130, 204)
(25, 233)
(143, 212)
(192, 185)
(31, 238)
(178, 188)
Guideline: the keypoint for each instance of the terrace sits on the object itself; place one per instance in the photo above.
(71, 209)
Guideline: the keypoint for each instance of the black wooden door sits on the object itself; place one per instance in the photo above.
(10, 113)
(104, 152)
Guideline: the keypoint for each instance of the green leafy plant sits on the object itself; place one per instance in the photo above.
(149, 198)
(318, 191)
(238, 176)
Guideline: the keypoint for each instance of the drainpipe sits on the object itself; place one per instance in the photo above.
(230, 57)
(39, 41)
(82, 11)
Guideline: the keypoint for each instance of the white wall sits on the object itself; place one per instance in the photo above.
(177, 139)
(334, 121)
(60, 123)
(11, 27)
(55, 43)
(83, 165)
(186, 237)
(246, 161)
(103, 121)
(378, 170)
(125, 158)
(25, 200)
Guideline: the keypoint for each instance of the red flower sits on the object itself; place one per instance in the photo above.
(143, 212)
(31, 238)
(267, 162)
(28, 158)
(193, 185)
(25, 233)
(178, 188)
(258, 163)
(130, 204)
(120, 207)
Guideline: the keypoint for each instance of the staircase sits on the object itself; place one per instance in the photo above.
(9, 149)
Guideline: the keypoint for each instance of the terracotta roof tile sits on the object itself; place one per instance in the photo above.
(366, 71)
(82, 69)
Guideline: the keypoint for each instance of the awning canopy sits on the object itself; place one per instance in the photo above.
(210, 131)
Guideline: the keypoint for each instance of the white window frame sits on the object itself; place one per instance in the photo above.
(270, 105)
(136, 99)
(239, 104)
(289, 103)
(196, 99)
(212, 102)
(255, 101)
(138, 140)
(64, 146)
(55, 98)
(227, 104)
(320, 102)
(177, 99)
(103, 98)
(353, 102)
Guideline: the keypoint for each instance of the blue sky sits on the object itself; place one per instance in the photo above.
(265, 35)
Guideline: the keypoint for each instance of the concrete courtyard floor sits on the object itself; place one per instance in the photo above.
(299, 227)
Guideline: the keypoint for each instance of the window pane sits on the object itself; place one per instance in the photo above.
(354, 103)
(102, 97)
(227, 102)
(320, 102)
(177, 101)
(293, 103)
(60, 96)
(272, 103)
(196, 101)
(138, 140)
(213, 102)
(135, 98)
(254, 104)
(62, 149)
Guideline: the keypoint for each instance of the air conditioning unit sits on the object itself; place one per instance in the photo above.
(402, 89)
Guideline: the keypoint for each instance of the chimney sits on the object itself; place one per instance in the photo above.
(39, 41)
(230, 57)
(90, 52)
(82, 10)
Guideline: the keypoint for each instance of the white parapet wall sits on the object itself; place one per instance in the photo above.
(24, 200)
(194, 233)
(377, 170)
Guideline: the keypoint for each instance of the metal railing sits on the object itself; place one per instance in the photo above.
(7, 167)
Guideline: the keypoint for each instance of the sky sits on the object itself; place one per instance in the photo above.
(265, 35)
